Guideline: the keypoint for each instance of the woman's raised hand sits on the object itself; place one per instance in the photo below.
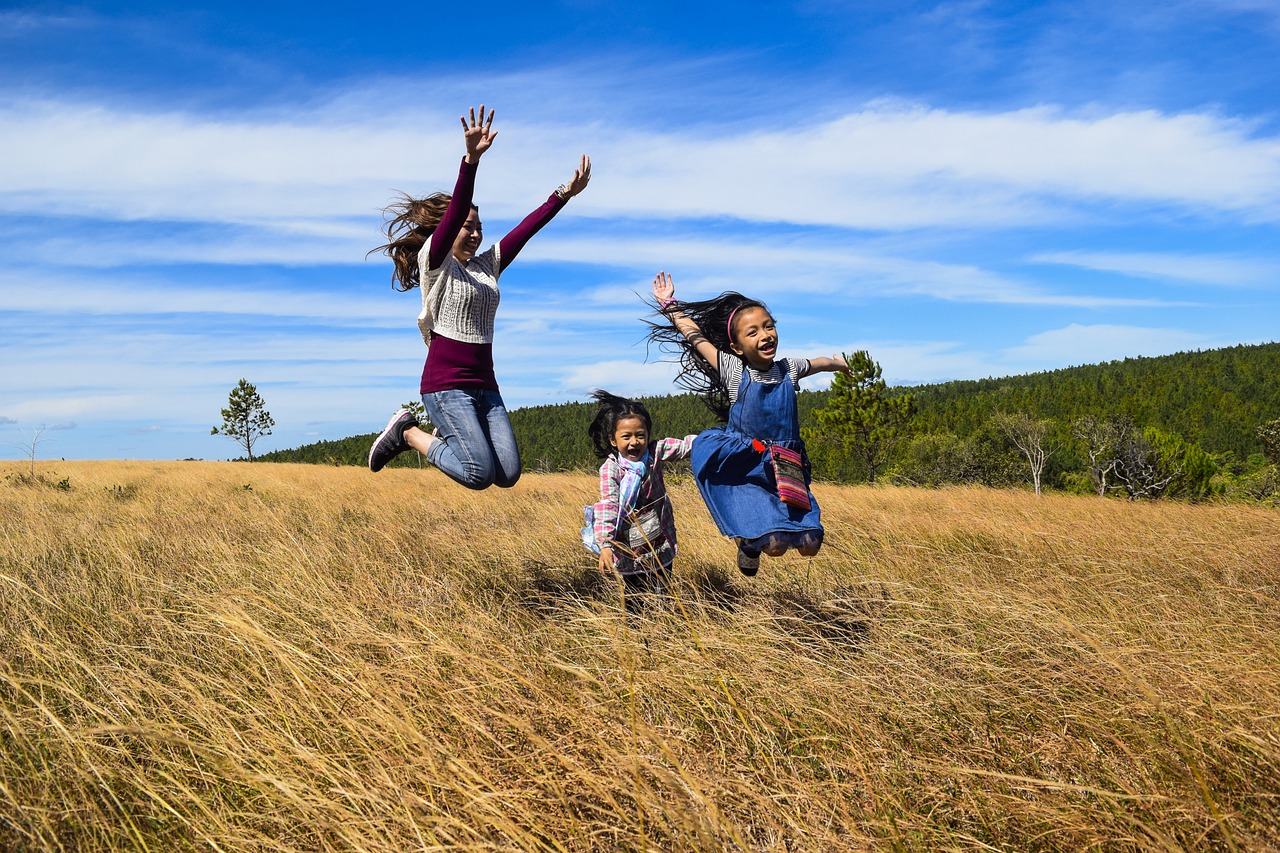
(664, 289)
(581, 177)
(478, 133)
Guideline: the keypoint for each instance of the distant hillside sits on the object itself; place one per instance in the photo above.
(1213, 398)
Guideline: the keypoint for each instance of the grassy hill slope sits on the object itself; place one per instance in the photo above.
(287, 658)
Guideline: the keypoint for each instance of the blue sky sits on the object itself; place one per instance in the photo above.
(965, 189)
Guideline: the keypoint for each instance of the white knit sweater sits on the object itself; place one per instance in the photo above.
(459, 300)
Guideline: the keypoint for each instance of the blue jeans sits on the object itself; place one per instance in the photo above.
(477, 446)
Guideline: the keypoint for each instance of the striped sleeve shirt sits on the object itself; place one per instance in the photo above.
(731, 368)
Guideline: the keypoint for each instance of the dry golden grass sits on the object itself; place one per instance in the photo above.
(224, 656)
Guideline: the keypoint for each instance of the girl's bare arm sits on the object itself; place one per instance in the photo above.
(822, 364)
(664, 290)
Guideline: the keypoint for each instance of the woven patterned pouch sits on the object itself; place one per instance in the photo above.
(788, 472)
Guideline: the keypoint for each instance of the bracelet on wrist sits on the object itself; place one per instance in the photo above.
(563, 192)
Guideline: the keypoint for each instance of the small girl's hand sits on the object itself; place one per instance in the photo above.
(664, 289)
(478, 134)
(840, 364)
(606, 560)
(578, 183)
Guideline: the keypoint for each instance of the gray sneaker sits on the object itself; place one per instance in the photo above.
(391, 443)
(748, 561)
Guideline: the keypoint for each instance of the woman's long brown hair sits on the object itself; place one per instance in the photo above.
(408, 224)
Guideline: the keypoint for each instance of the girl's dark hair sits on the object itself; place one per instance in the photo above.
(611, 409)
(712, 318)
(408, 224)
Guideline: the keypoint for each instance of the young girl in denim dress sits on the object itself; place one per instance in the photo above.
(728, 354)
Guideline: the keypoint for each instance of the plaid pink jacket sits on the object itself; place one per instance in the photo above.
(647, 540)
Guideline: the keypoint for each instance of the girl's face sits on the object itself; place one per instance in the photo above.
(754, 337)
(630, 437)
(467, 243)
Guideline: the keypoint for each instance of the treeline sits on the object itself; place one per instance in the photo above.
(1214, 400)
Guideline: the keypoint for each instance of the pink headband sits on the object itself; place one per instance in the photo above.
(729, 326)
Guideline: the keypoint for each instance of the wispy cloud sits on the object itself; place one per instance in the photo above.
(41, 291)
(1221, 270)
(886, 166)
(1081, 344)
(815, 266)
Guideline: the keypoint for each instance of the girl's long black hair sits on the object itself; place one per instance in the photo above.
(611, 409)
(712, 317)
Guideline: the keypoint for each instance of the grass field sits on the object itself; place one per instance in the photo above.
(219, 656)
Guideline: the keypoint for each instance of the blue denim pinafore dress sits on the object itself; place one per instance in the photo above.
(736, 480)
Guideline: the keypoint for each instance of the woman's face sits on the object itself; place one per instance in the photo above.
(467, 243)
(754, 337)
(630, 437)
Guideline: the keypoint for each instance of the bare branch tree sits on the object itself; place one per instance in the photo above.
(1139, 469)
(1269, 435)
(1030, 436)
(1100, 438)
(30, 444)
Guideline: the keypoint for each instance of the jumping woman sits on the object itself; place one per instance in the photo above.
(434, 244)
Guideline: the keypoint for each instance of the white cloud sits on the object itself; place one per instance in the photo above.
(1079, 344)
(1197, 269)
(886, 166)
(41, 291)
(810, 265)
(66, 407)
(625, 378)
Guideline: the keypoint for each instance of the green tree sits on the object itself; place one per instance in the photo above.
(860, 417)
(420, 412)
(424, 423)
(1198, 469)
(245, 419)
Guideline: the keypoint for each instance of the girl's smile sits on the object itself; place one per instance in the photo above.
(630, 438)
(755, 338)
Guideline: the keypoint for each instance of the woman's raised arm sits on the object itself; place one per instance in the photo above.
(478, 135)
(516, 238)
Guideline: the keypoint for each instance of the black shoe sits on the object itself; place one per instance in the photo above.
(748, 561)
(391, 443)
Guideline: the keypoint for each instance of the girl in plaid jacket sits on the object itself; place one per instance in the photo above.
(632, 526)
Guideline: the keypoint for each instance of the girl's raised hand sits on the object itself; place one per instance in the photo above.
(478, 133)
(664, 289)
(581, 177)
